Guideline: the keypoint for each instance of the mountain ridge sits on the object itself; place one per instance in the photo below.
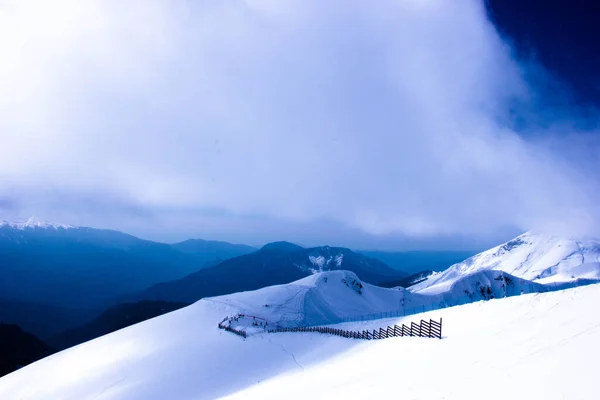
(265, 267)
(534, 256)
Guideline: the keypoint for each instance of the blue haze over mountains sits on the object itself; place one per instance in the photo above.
(56, 278)
(90, 266)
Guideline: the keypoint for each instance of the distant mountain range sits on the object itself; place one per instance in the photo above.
(275, 263)
(66, 266)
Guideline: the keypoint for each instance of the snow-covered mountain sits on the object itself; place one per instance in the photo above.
(536, 257)
(33, 223)
(334, 296)
(320, 299)
(184, 355)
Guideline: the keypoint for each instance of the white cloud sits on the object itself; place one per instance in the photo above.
(387, 118)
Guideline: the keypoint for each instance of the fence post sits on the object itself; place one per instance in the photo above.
(413, 329)
(429, 333)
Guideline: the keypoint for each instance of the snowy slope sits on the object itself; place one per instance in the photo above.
(532, 256)
(531, 346)
(319, 299)
(541, 346)
(181, 355)
(336, 296)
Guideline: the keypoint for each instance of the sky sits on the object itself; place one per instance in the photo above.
(409, 124)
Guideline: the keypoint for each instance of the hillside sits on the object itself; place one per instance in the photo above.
(71, 265)
(536, 346)
(57, 276)
(211, 251)
(274, 264)
(321, 299)
(66, 265)
(19, 348)
(532, 256)
(184, 355)
(111, 320)
(42, 319)
(409, 280)
(336, 296)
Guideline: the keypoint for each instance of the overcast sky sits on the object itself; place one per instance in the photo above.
(394, 124)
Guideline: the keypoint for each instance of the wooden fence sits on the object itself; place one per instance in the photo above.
(429, 329)
(223, 325)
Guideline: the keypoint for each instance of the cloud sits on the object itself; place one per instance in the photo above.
(394, 119)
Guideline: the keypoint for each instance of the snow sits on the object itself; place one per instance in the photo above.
(179, 355)
(532, 256)
(528, 346)
(33, 223)
(541, 346)
(319, 262)
(339, 296)
(318, 299)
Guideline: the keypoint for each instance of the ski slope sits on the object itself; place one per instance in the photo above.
(536, 257)
(536, 346)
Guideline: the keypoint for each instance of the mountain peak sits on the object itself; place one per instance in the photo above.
(282, 246)
(34, 222)
(533, 256)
